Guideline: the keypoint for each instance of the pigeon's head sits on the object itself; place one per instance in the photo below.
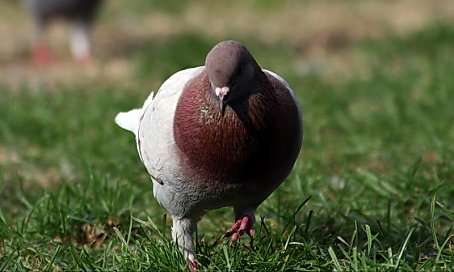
(232, 71)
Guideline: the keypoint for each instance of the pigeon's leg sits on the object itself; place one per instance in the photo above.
(244, 221)
(41, 53)
(182, 233)
(80, 41)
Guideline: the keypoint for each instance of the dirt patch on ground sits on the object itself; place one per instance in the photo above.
(317, 24)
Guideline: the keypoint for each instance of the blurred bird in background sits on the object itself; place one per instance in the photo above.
(80, 15)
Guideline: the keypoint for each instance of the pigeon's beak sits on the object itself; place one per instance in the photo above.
(222, 105)
(222, 93)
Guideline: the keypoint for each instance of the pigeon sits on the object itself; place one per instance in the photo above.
(80, 15)
(225, 134)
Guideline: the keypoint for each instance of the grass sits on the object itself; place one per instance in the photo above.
(373, 188)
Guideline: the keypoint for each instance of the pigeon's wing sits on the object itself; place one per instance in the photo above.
(291, 92)
(156, 128)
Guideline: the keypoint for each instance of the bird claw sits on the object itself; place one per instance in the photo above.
(192, 265)
(241, 226)
(42, 55)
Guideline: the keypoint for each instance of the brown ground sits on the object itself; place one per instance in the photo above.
(318, 28)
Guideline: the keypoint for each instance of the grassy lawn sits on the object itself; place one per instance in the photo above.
(373, 188)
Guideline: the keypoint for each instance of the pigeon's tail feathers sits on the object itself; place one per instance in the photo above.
(129, 120)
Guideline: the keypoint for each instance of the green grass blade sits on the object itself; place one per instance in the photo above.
(334, 259)
(403, 248)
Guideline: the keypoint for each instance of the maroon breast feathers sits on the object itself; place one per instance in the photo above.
(251, 138)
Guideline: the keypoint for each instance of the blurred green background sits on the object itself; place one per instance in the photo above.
(375, 81)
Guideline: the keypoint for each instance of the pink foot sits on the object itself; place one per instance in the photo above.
(192, 265)
(42, 55)
(241, 226)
